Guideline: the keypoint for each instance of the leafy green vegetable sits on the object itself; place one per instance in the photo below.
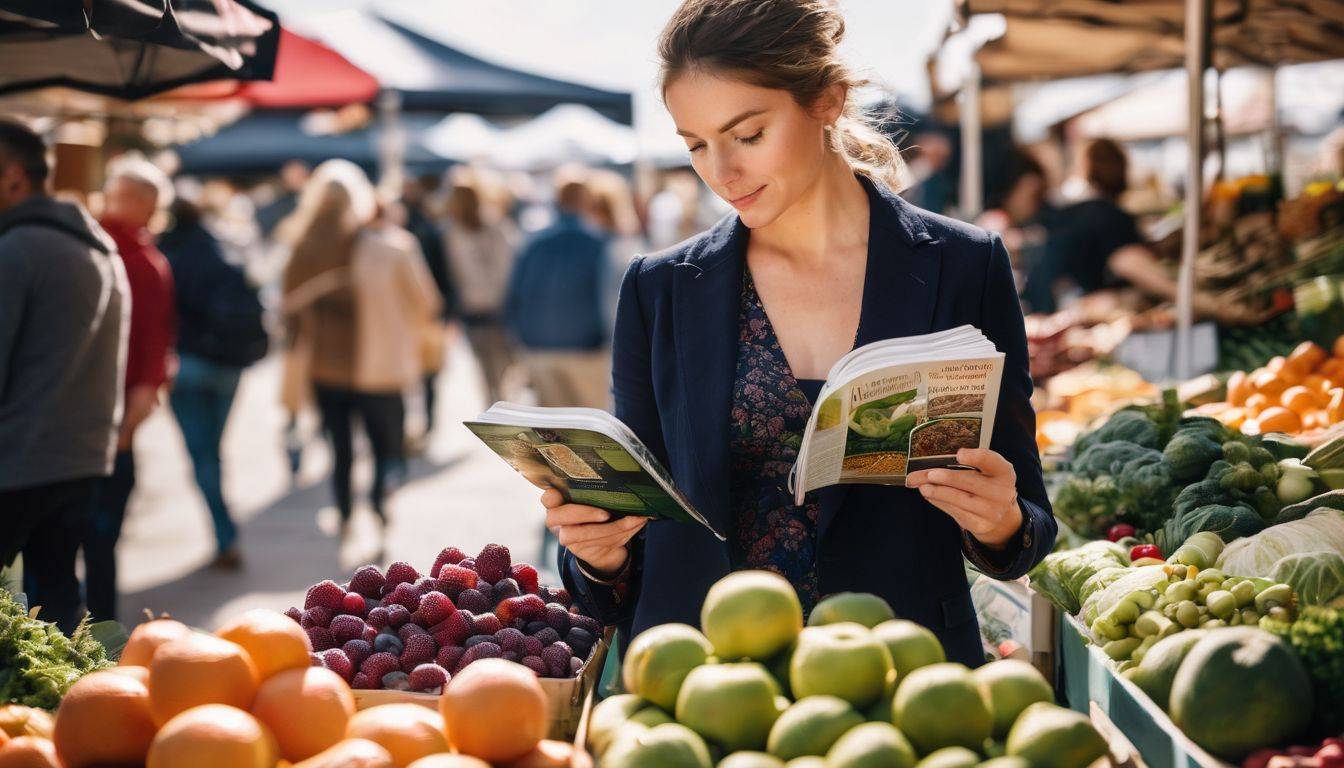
(1320, 531)
(1329, 499)
(1060, 577)
(1190, 453)
(38, 664)
(1228, 521)
(1318, 638)
(1147, 490)
(1087, 506)
(1130, 425)
(1316, 577)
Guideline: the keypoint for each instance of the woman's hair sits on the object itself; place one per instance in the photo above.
(612, 203)
(1106, 168)
(788, 45)
(336, 201)
(463, 204)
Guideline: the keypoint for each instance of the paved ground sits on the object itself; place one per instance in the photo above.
(457, 494)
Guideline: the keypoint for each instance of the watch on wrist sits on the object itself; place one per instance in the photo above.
(608, 581)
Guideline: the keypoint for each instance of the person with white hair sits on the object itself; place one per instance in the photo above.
(134, 193)
(357, 297)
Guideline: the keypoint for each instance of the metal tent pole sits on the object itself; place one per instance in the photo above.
(1196, 57)
(972, 139)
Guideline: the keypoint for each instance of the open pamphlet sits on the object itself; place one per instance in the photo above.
(589, 456)
(900, 405)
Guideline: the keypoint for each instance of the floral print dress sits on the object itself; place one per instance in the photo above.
(769, 415)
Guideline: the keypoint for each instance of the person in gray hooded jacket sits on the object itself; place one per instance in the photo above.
(64, 320)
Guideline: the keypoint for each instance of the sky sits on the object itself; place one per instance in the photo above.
(611, 43)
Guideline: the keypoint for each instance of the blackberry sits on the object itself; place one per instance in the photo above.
(388, 643)
(557, 617)
(504, 589)
(533, 627)
(476, 640)
(536, 664)
(548, 636)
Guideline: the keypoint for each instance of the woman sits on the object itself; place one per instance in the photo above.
(358, 297)
(1020, 215)
(719, 388)
(219, 333)
(612, 211)
(480, 254)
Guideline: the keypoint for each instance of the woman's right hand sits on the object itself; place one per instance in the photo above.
(591, 533)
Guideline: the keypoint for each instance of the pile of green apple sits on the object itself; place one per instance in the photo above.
(855, 688)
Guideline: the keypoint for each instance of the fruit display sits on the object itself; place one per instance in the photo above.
(1299, 394)
(405, 631)
(38, 663)
(854, 687)
(1068, 402)
(250, 696)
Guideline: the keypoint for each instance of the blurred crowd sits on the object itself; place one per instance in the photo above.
(155, 290)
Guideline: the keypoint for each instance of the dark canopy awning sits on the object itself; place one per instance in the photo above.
(133, 48)
(433, 76)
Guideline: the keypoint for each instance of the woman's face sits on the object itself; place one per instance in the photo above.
(754, 147)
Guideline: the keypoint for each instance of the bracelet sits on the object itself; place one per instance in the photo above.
(611, 581)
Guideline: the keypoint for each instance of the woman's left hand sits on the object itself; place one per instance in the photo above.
(984, 503)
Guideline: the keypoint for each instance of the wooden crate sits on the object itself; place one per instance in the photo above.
(567, 696)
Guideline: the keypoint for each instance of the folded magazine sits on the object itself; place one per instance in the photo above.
(589, 456)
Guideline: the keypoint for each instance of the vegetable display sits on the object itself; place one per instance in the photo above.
(1307, 554)
(1318, 638)
(1061, 576)
(38, 664)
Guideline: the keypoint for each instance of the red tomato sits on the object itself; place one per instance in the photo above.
(1145, 550)
(1119, 531)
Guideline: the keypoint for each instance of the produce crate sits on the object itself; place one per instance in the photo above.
(1087, 679)
(567, 696)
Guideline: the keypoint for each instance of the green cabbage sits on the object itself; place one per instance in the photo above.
(1316, 577)
(1139, 579)
(1321, 530)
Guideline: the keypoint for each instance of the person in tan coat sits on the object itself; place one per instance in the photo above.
(358, 299)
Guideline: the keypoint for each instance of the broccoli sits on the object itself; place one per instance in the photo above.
(1147, 490)
(1109, 458)
(1318, 638)
(1241, 477)
(1190, 453)
(38, 664)
(1130, 425)
(1236, 451)
(1230, 521)
(1195, 495)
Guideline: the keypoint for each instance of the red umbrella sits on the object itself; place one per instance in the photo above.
(308, 75)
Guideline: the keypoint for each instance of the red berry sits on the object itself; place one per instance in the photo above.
(346, 628)
(557, 617)
(320, 638)
(486, 624)
(408, 629)
(295, 614)
(368, 581)
(456, 578)
(420, 649)
(510, 639)
(482, 651)
(427, 676)
(353, 604)
(400, 572)
(557, 656)
(397, 615)
(327, 594)
(532, 646)
(548, 636)
(450, 555)
(434, 608)
(536, 664)
(424, 585)
(493, 563)
(453, 630)
(449, 655)
(336, 660)
(361, 682)
(587, 623)
(556, 595)
(317, 616)
(526, 576)
(315, 659)
(378, 617)
(406, 595)
(380, 664)
(473, 601)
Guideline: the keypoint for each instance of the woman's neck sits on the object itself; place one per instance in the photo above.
(832, 214)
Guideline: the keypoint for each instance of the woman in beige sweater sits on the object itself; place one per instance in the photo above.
(358, 298)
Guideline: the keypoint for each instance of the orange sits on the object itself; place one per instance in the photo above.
(1268, 383)
(553, 754)
(350, 753)
(407, 731)
(201, 669)
(449, 761)
(213, 736)
(273, 640)
(1315, 420)
(307, 709)
(1279, 419)
(1299, 399)
(104, 719)
(1238, 388)
(28, 752)
(495, 710)
(1305, 357)
(146, 639)
(135, 673)
(1335, 408)
(17, 720)
(4, 738)
(1257, 403)
(1338, 348)
(1276, 363)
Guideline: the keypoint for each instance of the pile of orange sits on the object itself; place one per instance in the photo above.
(1297, 395)
(247, 697)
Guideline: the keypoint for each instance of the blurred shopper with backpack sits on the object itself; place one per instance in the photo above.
(220, 333)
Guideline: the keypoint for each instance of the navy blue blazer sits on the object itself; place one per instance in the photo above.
(674, 358)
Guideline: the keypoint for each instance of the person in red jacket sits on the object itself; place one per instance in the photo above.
(134, 193)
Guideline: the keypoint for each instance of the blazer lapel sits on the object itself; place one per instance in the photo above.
(707, 288)
(899, 293)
